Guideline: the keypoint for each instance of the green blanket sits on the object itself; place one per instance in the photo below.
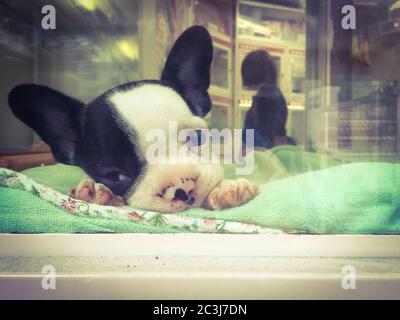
(301, 192)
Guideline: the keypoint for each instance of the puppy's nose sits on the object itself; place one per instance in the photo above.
(181, 194)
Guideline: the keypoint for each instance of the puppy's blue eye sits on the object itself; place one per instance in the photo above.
(196, 138)
(115, 176)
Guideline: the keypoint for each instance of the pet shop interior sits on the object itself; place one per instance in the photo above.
(328, 207)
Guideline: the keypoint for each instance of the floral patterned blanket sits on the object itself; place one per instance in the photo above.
(179, 223)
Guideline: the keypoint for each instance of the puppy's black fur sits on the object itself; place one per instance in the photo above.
(195, 48)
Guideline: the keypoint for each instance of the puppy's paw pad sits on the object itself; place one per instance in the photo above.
(212, 201)
(228, 194)
(83, 191)
(89, 191)
(246, 190)
(231, 193)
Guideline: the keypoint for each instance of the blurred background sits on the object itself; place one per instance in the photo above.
(342, 86)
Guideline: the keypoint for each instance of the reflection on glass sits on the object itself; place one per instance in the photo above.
(277, 61)
(93, 48)
(271, 23)
(219, 117)
(343, 96)
(90, 64)
(298, 75)
(356, 116)
(219, 68)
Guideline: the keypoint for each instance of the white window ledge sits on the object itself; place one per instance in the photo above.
(191, 266)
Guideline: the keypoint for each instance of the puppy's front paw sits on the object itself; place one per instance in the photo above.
(92, 192)
(230, 193)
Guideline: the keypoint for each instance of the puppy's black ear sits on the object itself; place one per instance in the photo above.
(53, 115)
(188, 68)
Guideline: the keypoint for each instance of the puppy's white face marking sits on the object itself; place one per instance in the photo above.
(153, 106)
(150, 106)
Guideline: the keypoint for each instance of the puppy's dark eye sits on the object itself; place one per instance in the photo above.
(196, 138)
(115, 176)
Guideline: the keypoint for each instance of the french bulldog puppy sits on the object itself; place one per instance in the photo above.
(108, 137)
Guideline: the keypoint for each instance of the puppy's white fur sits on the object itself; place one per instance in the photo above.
(150, 106)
